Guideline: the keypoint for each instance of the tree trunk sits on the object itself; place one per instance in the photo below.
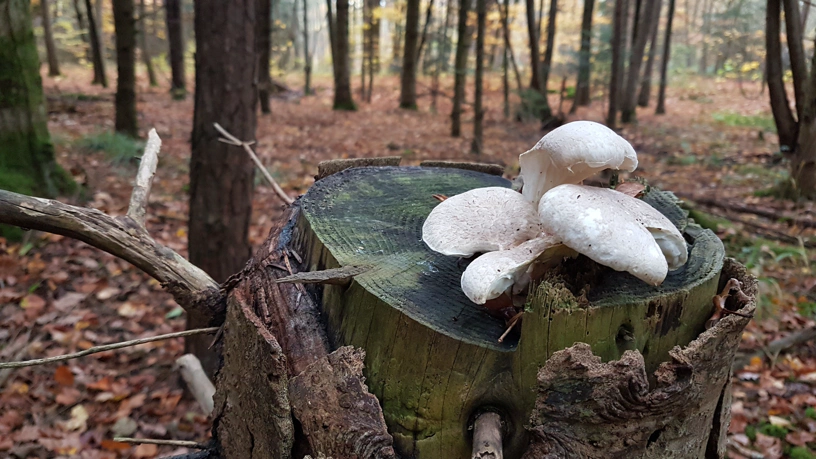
(446, 45)
(423, 38)
(96, 48)
(546, 111)
(798, 59)
(629, 103)
(460, 67)
(151, 75)
(664, 61)
(505, 12)
(175, 40)
(342, 90)
(80, 21)
(617, 44)
(478, 112)
(582, 97)
(786, 124)
(27, 162)
(532, 37)
(646, 81)
(409, 57)
(307, 54)
(708, 5)
(125, 24)
(263, 42)
(221, 175)
(50, 47)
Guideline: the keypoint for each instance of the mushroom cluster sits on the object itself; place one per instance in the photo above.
(555, 216)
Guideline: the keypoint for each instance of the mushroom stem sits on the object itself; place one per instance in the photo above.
(487, 436)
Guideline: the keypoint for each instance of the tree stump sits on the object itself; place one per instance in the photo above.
(433, 358)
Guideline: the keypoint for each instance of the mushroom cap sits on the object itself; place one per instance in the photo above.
(572, 153)
(494, 273)
(613, 229)
(480, 220)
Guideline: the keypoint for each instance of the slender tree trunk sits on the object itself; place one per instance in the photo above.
(151, 75)
(460, 68)
(706, 31)
(428, 19)
(505, 12)
(96, 50)
(80, 21)
(409, 57)
(615, 80)
(221, 175)
(798, 59)
(546, 111)
(342, 86)
(175, 40)
(646, 80)
(532, 36)
(50, 47)
(27, 162)
(446, 45)
(263, 45)
(100, 32)
(664, 61)
(505, 83)
(478, 112)
(366, 36)
(786, 124)
(629, 102)
(125, 24)
(307, 54)
(582, 97)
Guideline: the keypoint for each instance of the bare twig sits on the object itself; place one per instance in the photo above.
(775, 347)
(749, 453)
(144, 178)
(197, 381)
(798, 221)
(151, 441)
(232, 140)
(512, 323)
(487, 436)
(106, 347)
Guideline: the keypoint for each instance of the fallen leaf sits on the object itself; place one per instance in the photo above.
(111, 445)
(145, 451)
(124, 427)
(68, 396)
(63, 376)
(32, 301)
(107, 293)
(779, 422)
(69, 300)
(79, 418)
(799, 438)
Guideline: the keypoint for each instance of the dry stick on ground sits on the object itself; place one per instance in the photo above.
(150, 441)
(106, 347)
(798, 221)
(144, 179)
(775, 347)
(487, 437)
(197, 381)
(232, 140)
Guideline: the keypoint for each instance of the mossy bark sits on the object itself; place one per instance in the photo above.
(27, 162)
(432, 357)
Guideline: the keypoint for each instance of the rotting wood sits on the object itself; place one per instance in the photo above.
(336, 276)
(492, 169)
(333, 166)
(333, 405)
(590, 409)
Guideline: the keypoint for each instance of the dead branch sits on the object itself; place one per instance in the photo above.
(197, 381)
(775, 347)
(106, 347)
(192, 288)
(334, 276)
(232, 140)
(487, 436)
(797, 221)
(144, 179)
(151, 441)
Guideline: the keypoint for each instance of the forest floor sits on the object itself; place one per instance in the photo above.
(716, 149)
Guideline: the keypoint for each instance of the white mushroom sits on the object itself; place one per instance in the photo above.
(613, 229)
(572, 153)
(494, 273)
(480, 220)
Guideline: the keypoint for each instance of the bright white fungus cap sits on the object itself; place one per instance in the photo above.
(480, 220)
(613, 229)
(572, 153)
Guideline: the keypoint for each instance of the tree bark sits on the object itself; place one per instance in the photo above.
(708, 5)
(342, 87)
(175, 40)
(96, 48)
(664, 61)
(629, 103)
(478, 112)
(409, 57)
(460, 67)
(27, 162)
(786, 124)
(798, 59)
(532, 38)
(151, 74)
(125, 24)
(263, 43)
(505, 12)
(221, 175)
(546, 111)
(50, 47)
(617, 44)
(445, 46)
(582, 97)
(307, 54)
(646, 80)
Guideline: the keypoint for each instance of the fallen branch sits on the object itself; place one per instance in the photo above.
(775, 347)
(106, 347)
(150, 441)
(749, 453)
(144, 179)
(759, 228)
(232, 140)
(487, 436)
(197, 381)
(798, 221)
